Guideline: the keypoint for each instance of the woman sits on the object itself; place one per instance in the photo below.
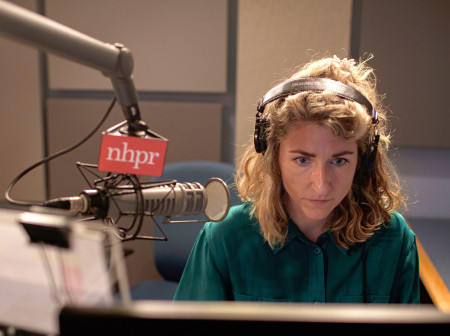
(319, 220)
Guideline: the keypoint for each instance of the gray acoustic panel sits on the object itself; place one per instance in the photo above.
(177, 45)
(21, 137)
(274, 39)
(410, 42)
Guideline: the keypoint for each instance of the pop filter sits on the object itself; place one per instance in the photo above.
(218, 199)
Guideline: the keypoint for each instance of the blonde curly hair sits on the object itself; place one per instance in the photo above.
(371, 199)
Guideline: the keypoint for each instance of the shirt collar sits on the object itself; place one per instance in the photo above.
(295, 233)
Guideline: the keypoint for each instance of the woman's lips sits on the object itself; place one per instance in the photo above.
(318, 202)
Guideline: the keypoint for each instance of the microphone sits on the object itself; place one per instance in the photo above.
(158, 199)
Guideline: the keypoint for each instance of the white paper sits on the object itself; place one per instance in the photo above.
(29, 298)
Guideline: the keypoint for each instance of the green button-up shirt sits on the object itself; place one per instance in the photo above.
(231, 261)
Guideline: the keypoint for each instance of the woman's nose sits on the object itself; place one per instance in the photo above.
(320, 179)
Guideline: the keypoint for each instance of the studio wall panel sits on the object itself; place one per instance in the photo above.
(177, 45)
(275, 37)
(410, 43)
(21, 134)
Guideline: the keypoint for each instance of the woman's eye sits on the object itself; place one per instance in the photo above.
(302, 160)
(340, 161)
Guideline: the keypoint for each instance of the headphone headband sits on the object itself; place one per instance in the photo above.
(317, 85)
(294, 86)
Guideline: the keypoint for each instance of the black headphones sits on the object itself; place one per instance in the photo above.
(294, 86)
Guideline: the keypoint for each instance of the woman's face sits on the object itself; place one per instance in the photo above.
(317, 170)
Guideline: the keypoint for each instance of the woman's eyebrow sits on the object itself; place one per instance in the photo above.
(299, 151)
(343, 153)
(302, 152)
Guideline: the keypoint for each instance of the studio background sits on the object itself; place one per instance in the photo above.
(200, 68)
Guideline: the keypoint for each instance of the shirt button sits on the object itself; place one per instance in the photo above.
(317, 250)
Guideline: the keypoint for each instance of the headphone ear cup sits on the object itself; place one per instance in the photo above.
(259, 137)
(372, 152)
(370, 159)
(367, 165)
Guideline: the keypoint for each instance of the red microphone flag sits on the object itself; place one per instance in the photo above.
(132, 155)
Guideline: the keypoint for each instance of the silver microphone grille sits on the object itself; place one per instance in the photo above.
(179, 199)
(184, 199)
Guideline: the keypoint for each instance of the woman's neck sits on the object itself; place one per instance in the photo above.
(312, 229)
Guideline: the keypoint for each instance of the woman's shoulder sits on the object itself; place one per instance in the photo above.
(238, 222)
(395, 230)
(398, 224)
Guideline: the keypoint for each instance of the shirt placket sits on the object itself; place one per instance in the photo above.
(317, 274)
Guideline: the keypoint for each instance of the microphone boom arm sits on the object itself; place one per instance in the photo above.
(113, 60)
